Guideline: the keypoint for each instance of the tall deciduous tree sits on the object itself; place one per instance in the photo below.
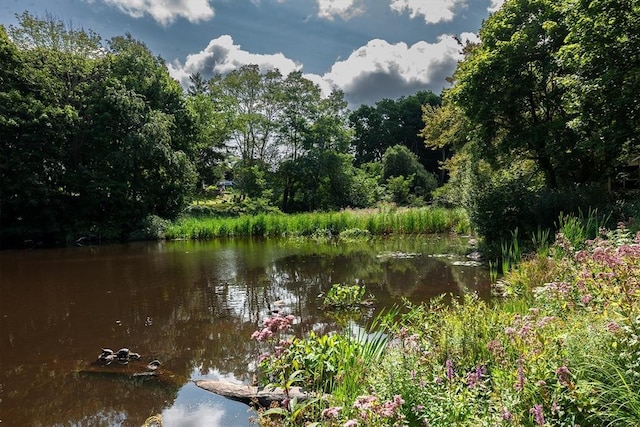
(602, 56)
(509, 88)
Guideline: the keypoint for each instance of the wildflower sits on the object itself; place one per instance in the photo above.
(496, 348)
(332, 412)
(519, 385)
(474, 377)
(544, 321)
(612, 327)
(450, 372)
(563, 374)
(510, 330)
(525, 329)
(351, 423)
(506, 414)
(586, 299)
(538, 416)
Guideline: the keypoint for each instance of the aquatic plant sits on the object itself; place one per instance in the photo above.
(344, 296)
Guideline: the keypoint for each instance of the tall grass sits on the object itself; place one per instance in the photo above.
(401, 221)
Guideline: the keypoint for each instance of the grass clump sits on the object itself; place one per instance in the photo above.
(428, 220)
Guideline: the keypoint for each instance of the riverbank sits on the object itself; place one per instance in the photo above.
(559, 348)
(428, 220)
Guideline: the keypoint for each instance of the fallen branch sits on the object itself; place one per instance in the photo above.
(252, 395)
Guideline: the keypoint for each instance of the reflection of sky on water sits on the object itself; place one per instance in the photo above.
(195, 407)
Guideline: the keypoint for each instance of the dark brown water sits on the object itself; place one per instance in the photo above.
(192, 305)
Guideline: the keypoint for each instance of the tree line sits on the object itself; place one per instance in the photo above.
(97, 139)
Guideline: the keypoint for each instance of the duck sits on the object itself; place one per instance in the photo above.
(153, 365)
(107, 356)
(123, 355)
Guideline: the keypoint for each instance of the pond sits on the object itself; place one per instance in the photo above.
(193, 306)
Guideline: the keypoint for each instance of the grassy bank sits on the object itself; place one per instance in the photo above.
(377, 222)
(560, 348)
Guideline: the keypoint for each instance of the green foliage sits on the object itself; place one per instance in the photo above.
(344, 296)
(97, 138)
(391, 122)
(404, 175)
(354, 235)
(406, 221)
(399, 189)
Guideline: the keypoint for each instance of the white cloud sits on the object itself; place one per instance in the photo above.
(383, 70)
(495, 5)
(188, 416)
(433, 11)
(166, 11)
(345, 9)
(222, 56)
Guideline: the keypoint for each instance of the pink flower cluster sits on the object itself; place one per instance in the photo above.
(275, 323)
(332, 413)
(475, 377)
(370, 407)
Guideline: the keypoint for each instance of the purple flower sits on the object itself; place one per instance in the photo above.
(506, 414)
(612, 327)
(449, 365)
(510, 330)
(564, 375)
(538, 416)
(351, 423)
(519, 385)
(474, 377)
(332, 412)
(496, 348)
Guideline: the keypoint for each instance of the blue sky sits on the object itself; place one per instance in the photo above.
(371, 49)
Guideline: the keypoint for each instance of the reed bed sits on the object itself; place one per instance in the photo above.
(427, 220)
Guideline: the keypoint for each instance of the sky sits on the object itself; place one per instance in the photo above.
(369, 49)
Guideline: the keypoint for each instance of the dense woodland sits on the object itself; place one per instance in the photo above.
(97, 139)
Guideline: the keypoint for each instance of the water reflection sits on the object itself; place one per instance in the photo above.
(193, 305)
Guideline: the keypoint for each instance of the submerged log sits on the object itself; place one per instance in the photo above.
(134, 370)
(252, 395)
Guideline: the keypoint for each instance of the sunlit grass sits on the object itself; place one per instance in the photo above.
(377, 222)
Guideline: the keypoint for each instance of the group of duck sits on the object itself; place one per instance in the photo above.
(123, 356)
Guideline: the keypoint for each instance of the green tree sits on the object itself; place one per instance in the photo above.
(93, 138)
(142, 124)
(602, 56)
(321, 178)
(392, 122)
(49, 69)
(399, 161)
(213, 121)
(509, 88)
